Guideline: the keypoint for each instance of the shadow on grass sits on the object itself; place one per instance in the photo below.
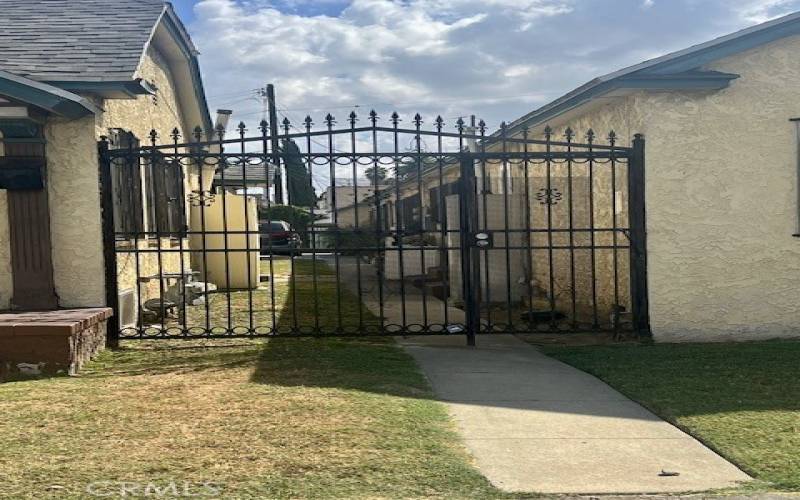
(159, 357)
(363, 363)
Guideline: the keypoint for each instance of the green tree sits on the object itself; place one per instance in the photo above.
(298, 179)
(375, 174)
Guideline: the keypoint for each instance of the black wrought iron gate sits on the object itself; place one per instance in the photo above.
(373, 229)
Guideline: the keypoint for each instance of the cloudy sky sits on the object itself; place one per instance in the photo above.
(497, 59)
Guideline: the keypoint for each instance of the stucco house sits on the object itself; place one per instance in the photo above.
(72, 72)
(722, 182)
(722, 185)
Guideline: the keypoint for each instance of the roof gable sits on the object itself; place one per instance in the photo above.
(97, 46)
(677, 70)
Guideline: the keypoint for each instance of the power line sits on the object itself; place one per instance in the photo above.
(232, 94)
(406, 104)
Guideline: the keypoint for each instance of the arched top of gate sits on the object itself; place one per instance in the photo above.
(329, 132)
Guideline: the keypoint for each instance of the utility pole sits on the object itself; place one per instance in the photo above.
(273, 132)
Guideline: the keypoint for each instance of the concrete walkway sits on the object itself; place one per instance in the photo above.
(534, 424)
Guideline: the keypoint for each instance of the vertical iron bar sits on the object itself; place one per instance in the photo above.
(247, 232)
(184, 227)
(222, 165)
(292, 255)
(484, 293)
(136, 173)
(593, 245)
(571, 222)
(109, 242)
(358, 240)
(638, 229)
(444, 268)
(548, 199)
(528, 233)
(612, 139)
(308, 122)
(329, 120)
(470, 257)
(380, 259)
(202, 197)
(399, 222)
(264, 140)
(156, 175)
(506, 185)
(422, 228)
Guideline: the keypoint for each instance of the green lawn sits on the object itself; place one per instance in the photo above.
(743, 400)
(299, 418)
(283, 418)
(307, 299)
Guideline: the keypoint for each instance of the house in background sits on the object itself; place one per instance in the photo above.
(722, 195)
(343, 202)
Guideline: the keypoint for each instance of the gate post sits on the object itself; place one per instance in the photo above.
(470, 262)
(109, 243)
(640, 308)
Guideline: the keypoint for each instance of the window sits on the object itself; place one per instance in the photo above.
(126, 182)
(147, 192)
(411, 213)
(164, 190)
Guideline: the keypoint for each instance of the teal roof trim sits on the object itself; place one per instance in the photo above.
(45, 96)
(130, 88)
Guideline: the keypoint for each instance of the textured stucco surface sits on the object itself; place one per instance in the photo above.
(73, 187)
(145, 113)
(75, 220)
(140, 116)
(6, 284)
(721, 203)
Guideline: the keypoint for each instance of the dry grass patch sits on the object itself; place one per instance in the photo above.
(300, 418)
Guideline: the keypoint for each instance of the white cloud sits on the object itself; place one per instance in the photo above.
(759, 11)
(417, 54)
(496, 58)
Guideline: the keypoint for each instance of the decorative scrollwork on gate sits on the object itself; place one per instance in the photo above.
(201, 198)
(550, 196)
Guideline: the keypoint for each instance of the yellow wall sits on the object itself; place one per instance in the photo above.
(227, 269)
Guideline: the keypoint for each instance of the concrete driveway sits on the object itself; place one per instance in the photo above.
(534, 424)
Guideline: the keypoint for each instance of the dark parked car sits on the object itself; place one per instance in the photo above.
(277, 237)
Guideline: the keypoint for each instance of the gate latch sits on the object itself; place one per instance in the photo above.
(483, 239)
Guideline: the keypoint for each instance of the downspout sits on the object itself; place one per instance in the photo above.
(796, 122)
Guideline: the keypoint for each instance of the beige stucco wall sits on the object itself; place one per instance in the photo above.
(721, 199)
(6, 285)
(73, 186)
(75, 220)
(145, 113)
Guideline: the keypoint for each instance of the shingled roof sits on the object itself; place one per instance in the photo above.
(76, 40)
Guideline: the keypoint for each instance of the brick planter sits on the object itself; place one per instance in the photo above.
(50, 342)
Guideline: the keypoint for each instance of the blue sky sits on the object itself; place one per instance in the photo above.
(495, 58)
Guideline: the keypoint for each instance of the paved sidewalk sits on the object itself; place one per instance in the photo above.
(535, 424)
